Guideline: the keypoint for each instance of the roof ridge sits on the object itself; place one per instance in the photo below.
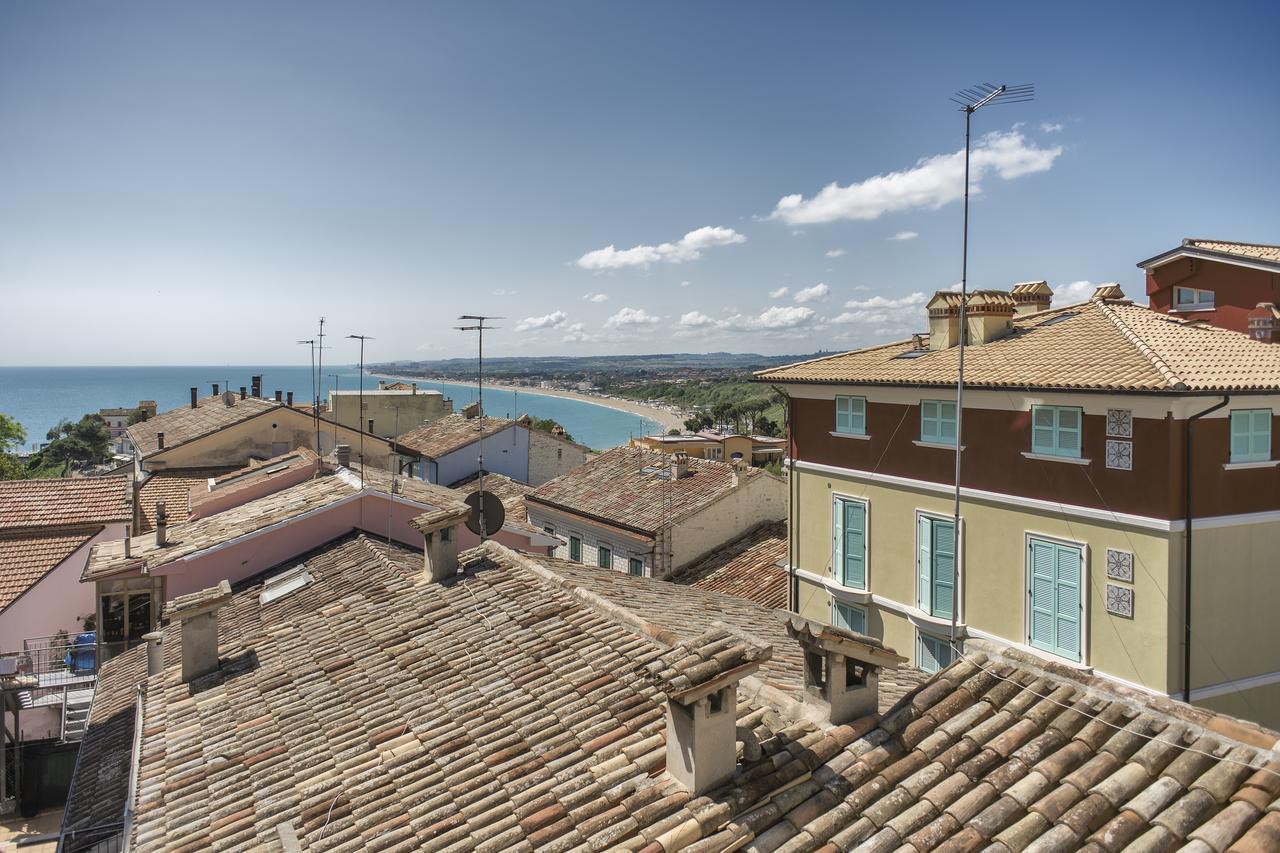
(1187, 241)
(1175, 381)
(836, 355)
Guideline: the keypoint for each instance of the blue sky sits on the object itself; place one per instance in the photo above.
(197, 183)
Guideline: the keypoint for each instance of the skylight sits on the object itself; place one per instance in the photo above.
(1065, 315)
(912, 353)
(278, 586)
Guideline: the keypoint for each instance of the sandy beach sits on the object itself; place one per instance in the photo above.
(668, 420)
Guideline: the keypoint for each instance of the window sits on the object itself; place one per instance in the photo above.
(1250, 435)
(938, 421)
(1190, 299)
(851, 415)
(850, 618)
(635, 567)
(849, 529)
(936, 565)
(932, 653)
(549, 530)
(446, 534)
(604, 557)
(575, 549)
(1056, 606)
(1055, 430)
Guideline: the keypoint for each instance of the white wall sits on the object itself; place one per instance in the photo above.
(505, 453)
(760, 498)
(549, 457)
(623, 545)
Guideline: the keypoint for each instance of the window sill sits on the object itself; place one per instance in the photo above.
(850, 435)
(1049, 457)
(936, 444)
(1192, 309)
(1244, 466)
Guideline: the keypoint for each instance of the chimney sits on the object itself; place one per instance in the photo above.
(679, 465)
(841, 670)
(1111, 290)
(944, 320)
(988, 316)
(1262, 323)
(702, 720)
(256, 382)
(216, 389)
(195, 396)
(439, 531)
(155, 654)
(197, 615)
(1031, 297)
(162, 525)
(370, 426)
(279, 395)
(159, 441)
(343, 454)
(415, 387)
(739, 469)
(289, 399)
(382, 384)
(471, 410)
(242, 392)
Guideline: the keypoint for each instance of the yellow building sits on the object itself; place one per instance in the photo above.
(1101, 446)
(757, 450)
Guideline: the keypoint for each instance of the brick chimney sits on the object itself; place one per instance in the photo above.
(439, 530)
(988, 316)
(195, 397)
(840, 670)
(1262, 323)
(944, 320)
(1031, 297)
(197, 615)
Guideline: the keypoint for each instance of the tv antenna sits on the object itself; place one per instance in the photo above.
(970, 100)
(320, 387)
(360, 404)
(314, 394)
(479, 327)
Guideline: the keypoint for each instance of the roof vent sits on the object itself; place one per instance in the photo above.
(1110, 290)
(1031, 297)
(279, 585)
(679, 465)
(841, 669)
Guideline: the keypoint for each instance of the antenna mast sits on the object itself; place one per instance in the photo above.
(479, 327)
(315, 407)
(320, 386)
(360, 404)
(970, 100)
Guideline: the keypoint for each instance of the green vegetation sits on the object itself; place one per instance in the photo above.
(12, 435)
(72, 445)
(137, 416)
(724, 404)
(549, 425)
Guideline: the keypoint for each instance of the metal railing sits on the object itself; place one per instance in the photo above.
(55, 661)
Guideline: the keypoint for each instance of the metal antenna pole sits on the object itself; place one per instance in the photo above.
(970, 101)
(479, 327)
(360, 406)
(319, 384)
(334, 414)
(315, 407)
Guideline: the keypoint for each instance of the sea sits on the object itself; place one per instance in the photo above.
(40, 397)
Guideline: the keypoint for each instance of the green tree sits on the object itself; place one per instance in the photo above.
(12, 435)
(551, 426)
(137, 416)
(84, 442)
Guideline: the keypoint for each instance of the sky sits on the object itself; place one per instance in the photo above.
(187, 183)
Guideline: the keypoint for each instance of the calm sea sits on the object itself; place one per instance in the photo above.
(39, 397)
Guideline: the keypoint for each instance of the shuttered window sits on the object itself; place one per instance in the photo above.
(1055, 430)
(575, 549)
(849, 529)
(851, 415)
(1250, 435)
(938, 421)
(604, 557)
(850, 618)
(932, 653)
(1056, 603)
(635, 566)
(936, 565)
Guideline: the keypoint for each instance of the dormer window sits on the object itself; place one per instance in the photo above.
(1192, 299)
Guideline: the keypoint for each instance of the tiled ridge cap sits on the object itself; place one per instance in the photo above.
(1175, 381)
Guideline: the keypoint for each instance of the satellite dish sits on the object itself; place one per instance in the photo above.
(494, 513)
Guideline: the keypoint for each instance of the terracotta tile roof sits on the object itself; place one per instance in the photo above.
(504, 710)
(26, 558)
(1096, 345)
(1260, 251)
(184, 424)
(437, 438)
(630, 487)
(69, 502)
(191, 537)
(746, 567)
(172, 487)
(510, 492)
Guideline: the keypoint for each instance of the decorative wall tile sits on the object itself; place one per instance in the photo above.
(1120, 600)
(1120, 454)
(1120, 565)
(1120, 423)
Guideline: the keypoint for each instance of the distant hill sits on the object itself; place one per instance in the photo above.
(565, 367)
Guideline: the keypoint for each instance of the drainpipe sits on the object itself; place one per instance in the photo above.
(793, 542)
(1186, 558)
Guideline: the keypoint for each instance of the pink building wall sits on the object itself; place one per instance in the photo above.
(205, 503)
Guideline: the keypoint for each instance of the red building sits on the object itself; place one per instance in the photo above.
(1218, 281)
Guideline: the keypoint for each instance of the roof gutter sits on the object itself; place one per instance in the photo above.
(1032, 389)
(1186, 541)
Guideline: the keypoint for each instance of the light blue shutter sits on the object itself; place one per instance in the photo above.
(1260, 444)
(929, 421)
(944, 566)
(927, 655)
(1067, 595)
(851, 618)
(837, 537)
(1043, 604)
(858, 415)
(844, 414)
(924, 562)
(1068, 442)
(1042, 422)
(854, 544)
(947, 422)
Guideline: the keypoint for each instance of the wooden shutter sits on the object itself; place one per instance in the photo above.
(1068, 602)
(944, 567)
(1043, 605)
(924, 563)
(844, 414)
(1056, 580)
(854, 543)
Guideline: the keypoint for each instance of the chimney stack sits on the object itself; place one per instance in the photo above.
(195, 396)
(1262, 323)
(439, 531)
(279, 395)
(988, 316)
(197, 615)
(216, 389)
(371, 426)
(1111, 290)
(944, 320)
(289, 399)
(1031, 297)
(739, 470)
(162, 525)
(155, 654)
(160, 441)
(242, 392)
(840, 670)
(679, 465)
(256, 382)
(343, 454)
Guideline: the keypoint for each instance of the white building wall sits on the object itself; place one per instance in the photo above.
(761, 498)
(505, 453)
(623, 545)
(549, 457)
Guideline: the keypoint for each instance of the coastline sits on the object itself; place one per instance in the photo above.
(668, 420)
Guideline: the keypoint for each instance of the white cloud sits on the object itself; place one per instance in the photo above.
(547, 321)
(688, 248)
(595, 297)
(685, 283)
(577, 334)
(1050, 127)
(813, 294)
(502, 291)
(773, 318)
(779, 293)
(904, 235)
(835, 253)
(696, 320)
(881, 317)
(931, 183)
(1076, 291)
(631, 317)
